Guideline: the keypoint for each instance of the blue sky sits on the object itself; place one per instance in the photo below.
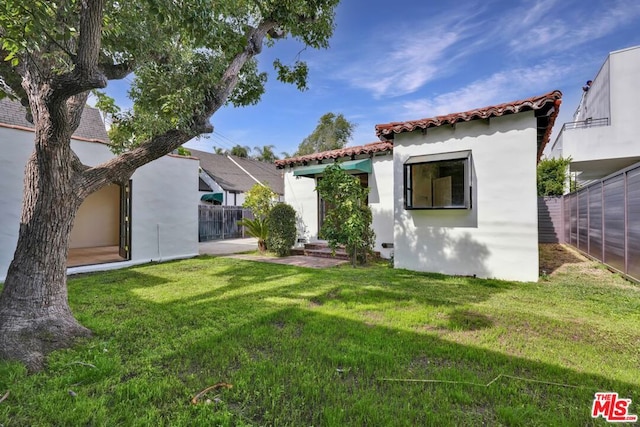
(410, 59)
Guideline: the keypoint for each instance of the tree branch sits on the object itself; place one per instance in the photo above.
(89, 37)
(219, 95)
(86, 74)
(120, 169)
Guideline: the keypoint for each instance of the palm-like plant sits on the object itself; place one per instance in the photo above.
(265, 153)
(240, 151)
(258, 228)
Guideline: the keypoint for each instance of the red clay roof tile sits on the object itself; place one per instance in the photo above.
(374, 147)
(544, 102)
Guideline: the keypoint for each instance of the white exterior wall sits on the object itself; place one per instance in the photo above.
(498, 236)
(381, 202)
(164, 210)
(596, 103)
(233, 199)
(300, 193)
(598, 151)
(160, 195)
(15, 148)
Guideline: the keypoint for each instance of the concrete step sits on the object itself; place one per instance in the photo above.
(319, 245)
(321, 252)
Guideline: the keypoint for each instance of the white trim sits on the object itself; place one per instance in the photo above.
(245, 171)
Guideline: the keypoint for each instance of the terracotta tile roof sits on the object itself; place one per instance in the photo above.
(543, 105)
(374, 147)
(91, 127)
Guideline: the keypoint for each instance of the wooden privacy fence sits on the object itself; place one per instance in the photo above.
(603, 220)
(220, 222)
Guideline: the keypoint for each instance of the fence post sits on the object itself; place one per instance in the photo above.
(603, 222)
(626, 224)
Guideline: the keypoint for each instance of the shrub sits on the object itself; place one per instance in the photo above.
(260, 199)
(552, 175)
(282, 229)
(348, 222)
(258, 228)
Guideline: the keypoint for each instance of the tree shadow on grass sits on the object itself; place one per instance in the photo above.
(307, 367)
(293, 362)
(553, 256)
(468, 320)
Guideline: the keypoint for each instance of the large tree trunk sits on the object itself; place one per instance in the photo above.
(35, 317)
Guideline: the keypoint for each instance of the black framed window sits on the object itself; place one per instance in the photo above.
(439, 181)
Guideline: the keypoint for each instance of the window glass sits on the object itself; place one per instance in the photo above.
(437, 185)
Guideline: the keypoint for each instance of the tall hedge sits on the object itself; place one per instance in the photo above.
(552, 175)
(282, 229)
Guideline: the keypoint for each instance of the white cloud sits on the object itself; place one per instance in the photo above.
(500, 87)
(401, 61)
(538, 32)
(537, 13)
(404, 67)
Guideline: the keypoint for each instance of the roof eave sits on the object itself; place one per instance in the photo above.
(389, 130)
(342, 153)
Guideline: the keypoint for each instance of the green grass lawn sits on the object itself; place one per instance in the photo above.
(305, 347)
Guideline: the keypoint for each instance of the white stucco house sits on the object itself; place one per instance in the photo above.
(465, 189)
(603, 136)
(452, 194)
(371, 163)
(153, 218)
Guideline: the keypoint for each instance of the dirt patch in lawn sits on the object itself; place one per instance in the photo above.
(553, 256)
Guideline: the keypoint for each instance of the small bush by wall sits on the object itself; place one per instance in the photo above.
(282, 229)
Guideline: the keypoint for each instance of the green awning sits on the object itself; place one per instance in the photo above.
(362, 166)
(212, 197)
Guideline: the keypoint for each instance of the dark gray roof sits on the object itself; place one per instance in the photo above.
(91, 124)
(232, 178)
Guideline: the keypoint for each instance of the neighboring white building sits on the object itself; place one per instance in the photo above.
(604, 135)
(224, 178)
(154, 218)
(464, 185)
(371, 163)
(452, 194)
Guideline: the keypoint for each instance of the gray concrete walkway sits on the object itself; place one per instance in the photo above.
(228, 246)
